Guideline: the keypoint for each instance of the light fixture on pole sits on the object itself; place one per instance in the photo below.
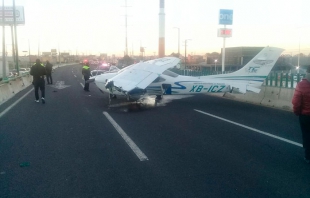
(298, 57)
(178, 40)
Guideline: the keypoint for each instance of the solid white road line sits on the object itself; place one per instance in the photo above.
(15, 103)
(127, 139)
(82, 85)
(252, 129)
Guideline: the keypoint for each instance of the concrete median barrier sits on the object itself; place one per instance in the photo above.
(285, 99)
(269, 96)
(10, 88)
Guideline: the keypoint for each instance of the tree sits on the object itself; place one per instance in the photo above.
(126, 60)
(177, 55)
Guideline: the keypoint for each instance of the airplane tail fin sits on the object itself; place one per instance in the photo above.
(252, 75)
(261, 64)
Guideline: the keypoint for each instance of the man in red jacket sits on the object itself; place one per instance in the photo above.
(301, 107)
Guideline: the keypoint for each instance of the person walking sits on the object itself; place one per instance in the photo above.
(49, 69)
(301, 107)
(86, 74)
(38, 71)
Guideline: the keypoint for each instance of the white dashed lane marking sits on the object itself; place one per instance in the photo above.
(252, 129)
(127, 139)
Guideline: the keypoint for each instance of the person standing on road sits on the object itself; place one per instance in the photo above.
(86, 74)
(301, 107)
(38, 71)
(49, 69)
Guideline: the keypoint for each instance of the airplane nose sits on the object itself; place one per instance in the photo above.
(109, 84)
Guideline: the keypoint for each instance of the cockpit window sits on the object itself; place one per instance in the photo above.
(159, 79)
(113, 69)
(170, 73)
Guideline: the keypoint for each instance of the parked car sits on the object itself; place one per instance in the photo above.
(97, 72)
(11, 75)
(21, 71)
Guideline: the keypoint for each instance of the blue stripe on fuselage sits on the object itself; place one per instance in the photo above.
(182, 86)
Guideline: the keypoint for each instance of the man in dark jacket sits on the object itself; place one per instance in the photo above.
(86, 74)
(301, 107)
(49, 68)
(38, 71)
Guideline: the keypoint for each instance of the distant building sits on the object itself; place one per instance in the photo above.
(104, 56)
(194, 59)
(237, 57)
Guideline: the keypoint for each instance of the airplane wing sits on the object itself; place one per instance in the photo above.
(140, 75)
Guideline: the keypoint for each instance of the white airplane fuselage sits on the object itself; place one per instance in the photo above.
(180, 85)
(153, 77)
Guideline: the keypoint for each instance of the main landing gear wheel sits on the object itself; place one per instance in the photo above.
(159, 97)
(112, 96)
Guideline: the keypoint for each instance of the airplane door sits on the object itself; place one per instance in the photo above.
(167, 89)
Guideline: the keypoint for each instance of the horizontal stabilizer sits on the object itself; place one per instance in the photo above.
(253, 89)
(240, 86)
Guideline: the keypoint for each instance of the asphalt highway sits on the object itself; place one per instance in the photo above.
(75, 145)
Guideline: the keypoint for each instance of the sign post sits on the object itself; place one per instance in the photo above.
(54, 55)
(12, 16)
(225, 18)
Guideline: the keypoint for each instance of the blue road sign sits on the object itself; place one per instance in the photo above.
(226, 17)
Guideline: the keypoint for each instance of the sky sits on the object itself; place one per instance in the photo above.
(98, 26)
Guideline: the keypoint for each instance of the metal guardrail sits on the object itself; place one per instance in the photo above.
(8, 79)
(274, 79)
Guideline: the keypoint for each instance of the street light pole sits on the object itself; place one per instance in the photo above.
(3, 43)
(298, 57)
(29, 53)
(144, 56)
(185, 52)
(178, 40)
(15, 32)
(13, 45)
(215, 64)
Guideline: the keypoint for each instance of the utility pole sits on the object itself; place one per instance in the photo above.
(126, 41)
(3, 42)
(39, 48)
(298, 57)
(126, 26)
(29, 53)
(58, 55)
(13, 44)
(16, 43)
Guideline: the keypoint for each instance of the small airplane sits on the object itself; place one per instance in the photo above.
(153, 77)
